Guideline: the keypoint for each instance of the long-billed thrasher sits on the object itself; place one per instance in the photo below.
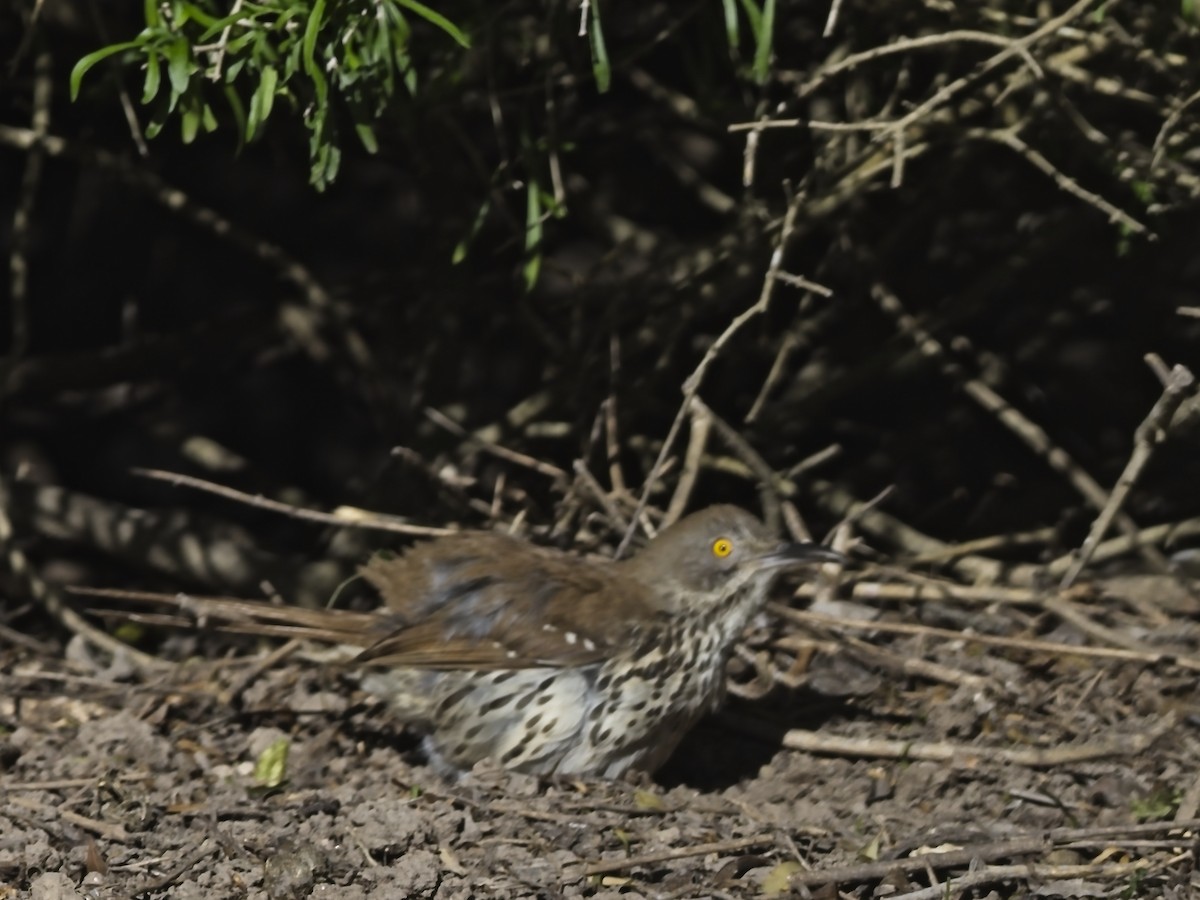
(547, 662)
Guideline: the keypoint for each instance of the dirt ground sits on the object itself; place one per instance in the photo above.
(1035, 770)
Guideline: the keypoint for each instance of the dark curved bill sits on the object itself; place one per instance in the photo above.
(800, 554)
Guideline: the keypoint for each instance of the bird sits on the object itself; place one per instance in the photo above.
(546, 662)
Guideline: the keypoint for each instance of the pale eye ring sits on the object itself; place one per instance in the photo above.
(722, 547)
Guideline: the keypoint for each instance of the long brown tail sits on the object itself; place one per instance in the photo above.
(332, 626)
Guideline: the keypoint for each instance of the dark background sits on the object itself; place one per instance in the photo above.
(147, 331)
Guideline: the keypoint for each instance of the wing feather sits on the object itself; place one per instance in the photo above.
(485, 601)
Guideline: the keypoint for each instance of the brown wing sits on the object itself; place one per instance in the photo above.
(490, 601)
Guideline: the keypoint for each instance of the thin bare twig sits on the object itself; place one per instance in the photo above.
(127, 107)
(697, 443)
(629, 862)
(233, 692)
(521, 459)
(750, 156)
(1031, 434)
(343, 517)
(1119, 546)
(812, 462)
(934, 592)
(786, 347)
(831, 21)
(769, 488)
(1113, 637)
(1160, 140)
(615, 517)
(1018, 845)
(909, 665)
(1018, 47)
(691, 385)
(960, 885)
(1037, 646)
(906, 45)
(992, 542)
(31, 178)
(1178, 386)
(967, 754)
(31, 29)
(612, 436)
(51, 600)
(222, 47)
(1008, 137)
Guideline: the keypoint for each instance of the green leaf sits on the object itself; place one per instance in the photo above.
(457, 34)
(601, 70)
(460, 251)
(401, 30)
(765, 39)
(312, 28)
(130, 633)
(193, 12)
(778, 880)
(409, 71)
(533, 234)
(236, 45)
(1160, 804)
(217, 29)
(323, 151)
(261, 102)
(150, 13)
(754, 14)
(732, 30)
(872, 851)
(189, 124)
(179, 58)
(367, 136)
(325, 169)
(437, 19)
(270, 769)
(291, 62)
(82, 67)
(239, 114)
(648, 800)
(550, 202)
(153, 76)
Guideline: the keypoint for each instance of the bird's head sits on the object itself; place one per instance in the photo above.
(717, 553)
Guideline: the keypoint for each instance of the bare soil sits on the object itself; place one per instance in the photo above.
(1050, 774)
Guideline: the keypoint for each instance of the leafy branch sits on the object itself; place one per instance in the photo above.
(313, 54)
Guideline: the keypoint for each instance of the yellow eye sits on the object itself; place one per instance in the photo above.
(722, 547)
